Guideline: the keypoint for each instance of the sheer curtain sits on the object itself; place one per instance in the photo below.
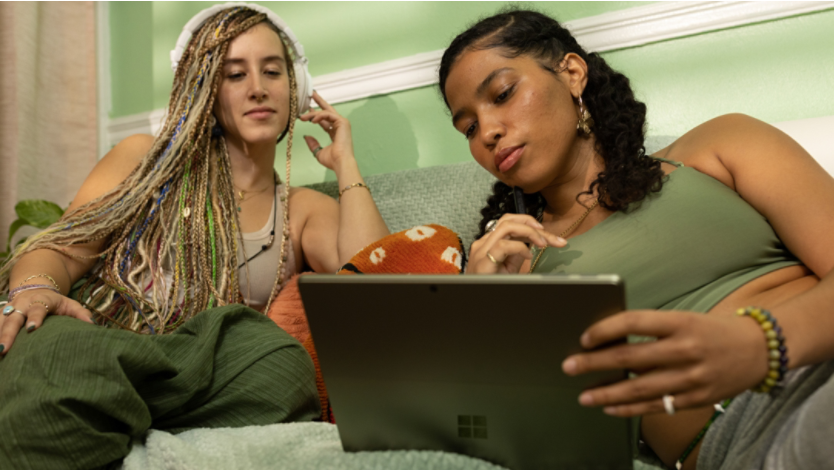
(48, 115)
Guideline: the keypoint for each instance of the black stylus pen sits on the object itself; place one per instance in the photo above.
(518, 195)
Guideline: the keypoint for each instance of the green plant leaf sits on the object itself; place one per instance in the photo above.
(13, 228)
(38, 213)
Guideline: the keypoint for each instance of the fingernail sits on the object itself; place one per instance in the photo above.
(569, 366)
(561, 240)
(585, 340)
(610, 410)
(586, 399)
(30, 328)
(539, 225)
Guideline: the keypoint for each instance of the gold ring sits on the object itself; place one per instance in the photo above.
(38, 302)
(492, 258)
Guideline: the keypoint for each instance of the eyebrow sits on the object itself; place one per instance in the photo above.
(272, 58)
(481, 88)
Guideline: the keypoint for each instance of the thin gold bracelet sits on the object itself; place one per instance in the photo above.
(351, 186)
(37, 276)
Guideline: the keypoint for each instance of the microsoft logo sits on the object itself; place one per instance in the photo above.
(472, 426)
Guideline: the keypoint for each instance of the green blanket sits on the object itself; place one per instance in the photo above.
(74, 395)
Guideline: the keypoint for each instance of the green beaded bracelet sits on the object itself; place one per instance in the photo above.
(777, 351)
(719, 410)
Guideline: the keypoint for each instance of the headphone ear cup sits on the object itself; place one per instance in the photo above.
(304, 82)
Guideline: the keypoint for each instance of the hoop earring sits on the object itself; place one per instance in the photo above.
(583, 127)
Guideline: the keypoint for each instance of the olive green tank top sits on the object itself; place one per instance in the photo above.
(685, 247)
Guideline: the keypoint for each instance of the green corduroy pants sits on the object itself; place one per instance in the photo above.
(73, 395)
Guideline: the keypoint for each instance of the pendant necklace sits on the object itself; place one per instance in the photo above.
(241, 194)
(566, 232)
(271, 234)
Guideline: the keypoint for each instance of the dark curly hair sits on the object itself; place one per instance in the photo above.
(619, 119)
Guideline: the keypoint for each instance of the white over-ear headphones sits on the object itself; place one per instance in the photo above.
(303, 79)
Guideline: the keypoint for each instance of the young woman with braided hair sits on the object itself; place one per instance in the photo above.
(163, 232)
(717, 223)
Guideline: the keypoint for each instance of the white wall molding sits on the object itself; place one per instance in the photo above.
(668, 20)
(610, 31)
(140, 123)
(378, 79)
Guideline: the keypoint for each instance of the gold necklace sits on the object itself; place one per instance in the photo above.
(241, 194)
(566, 232)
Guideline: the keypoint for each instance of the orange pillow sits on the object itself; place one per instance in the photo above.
(425, 249)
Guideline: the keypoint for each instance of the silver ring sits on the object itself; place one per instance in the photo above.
(10, 309)
(492, 258)
(316, 151)
(491, 225)
(669, 404)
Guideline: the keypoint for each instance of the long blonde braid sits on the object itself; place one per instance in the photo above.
(175, 213)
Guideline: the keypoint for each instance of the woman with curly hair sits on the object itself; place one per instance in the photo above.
(709, 230)
(166, 238)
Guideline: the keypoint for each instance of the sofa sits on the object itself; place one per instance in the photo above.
(449, 195)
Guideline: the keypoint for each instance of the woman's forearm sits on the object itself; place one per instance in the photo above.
(360, 223)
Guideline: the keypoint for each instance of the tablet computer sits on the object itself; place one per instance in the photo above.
(468, 364)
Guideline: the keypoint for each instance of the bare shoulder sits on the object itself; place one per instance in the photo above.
(113, 168)
(300, 195)
(127, 154)
(307, 201)
(730, 144)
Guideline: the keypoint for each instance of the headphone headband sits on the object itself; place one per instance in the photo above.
(302, 75)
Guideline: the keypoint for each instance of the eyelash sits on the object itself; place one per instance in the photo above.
(467, 133)
(274, 73)
(505, 94)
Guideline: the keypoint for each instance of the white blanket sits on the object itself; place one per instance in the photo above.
(307, 446)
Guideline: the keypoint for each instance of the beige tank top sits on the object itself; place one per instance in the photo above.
(257, 279)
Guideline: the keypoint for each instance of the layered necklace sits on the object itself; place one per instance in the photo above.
(242, 195)
(566, 232)
(271, 239)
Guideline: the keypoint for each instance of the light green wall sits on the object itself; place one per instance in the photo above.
(335, 35)
(131, 58)
(776, 71)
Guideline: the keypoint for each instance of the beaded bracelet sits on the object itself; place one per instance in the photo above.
(354, 185)
(719, 410)
(777, 351)
(17, 290)
(37, 276)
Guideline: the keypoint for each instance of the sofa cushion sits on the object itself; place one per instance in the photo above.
(448, 195)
